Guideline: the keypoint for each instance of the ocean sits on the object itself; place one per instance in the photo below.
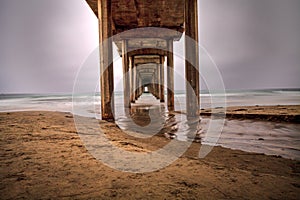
(272, 138)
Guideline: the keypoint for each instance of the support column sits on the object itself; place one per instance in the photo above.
(155, 83)
(141, 87)
(106, 61)
(137, 83)
(152, 85)
(191, 58)
(170, 74)
(133, 80)
(138, 87)
(162, 80)
(126, 74)
(158, 80)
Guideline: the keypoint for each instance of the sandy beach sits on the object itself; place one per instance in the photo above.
(42, 157)
(150, 99)
(279, 113)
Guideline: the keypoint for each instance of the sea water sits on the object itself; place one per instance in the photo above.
(271, 138)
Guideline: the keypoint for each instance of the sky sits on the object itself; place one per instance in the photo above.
(43, 44)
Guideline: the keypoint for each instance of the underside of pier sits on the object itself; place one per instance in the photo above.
(144, 32)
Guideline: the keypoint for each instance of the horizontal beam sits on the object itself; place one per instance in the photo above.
(153, 33)
(147, 51)
(145, 60)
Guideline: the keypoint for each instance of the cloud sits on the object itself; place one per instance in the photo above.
(255, 43)
(43, 43)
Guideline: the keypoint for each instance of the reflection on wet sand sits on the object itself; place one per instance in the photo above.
(156, 120)
(277, 138)
(141, 114)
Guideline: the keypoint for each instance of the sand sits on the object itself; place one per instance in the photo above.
(42, 157)
(279, 113)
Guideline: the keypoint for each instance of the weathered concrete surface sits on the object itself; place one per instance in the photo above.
(106, 62)
(129, 14)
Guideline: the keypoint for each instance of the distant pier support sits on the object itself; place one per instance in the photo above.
(140, 87)
(106, 61)
(153, 86)
(162, 79)
(133, 80)
(170, 76)
(136, 93)
(157, 82)
(192, 58)
(126, 74)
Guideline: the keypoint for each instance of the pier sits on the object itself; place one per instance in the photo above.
(144, 32)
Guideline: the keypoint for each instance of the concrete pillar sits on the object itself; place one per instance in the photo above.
(152, 86)
(106, 60)
(136, 82)
(155, 85)
(170, 76)
(139, 84)
(192, 58)
(141, 87)
(132, 79)
(162, 80)
(157, 82)
(126, 74)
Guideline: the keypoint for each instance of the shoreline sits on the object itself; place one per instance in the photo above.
(279, 113)
(42, 156)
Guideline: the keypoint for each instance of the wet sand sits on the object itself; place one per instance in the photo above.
(42, 156)
(279, 113)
